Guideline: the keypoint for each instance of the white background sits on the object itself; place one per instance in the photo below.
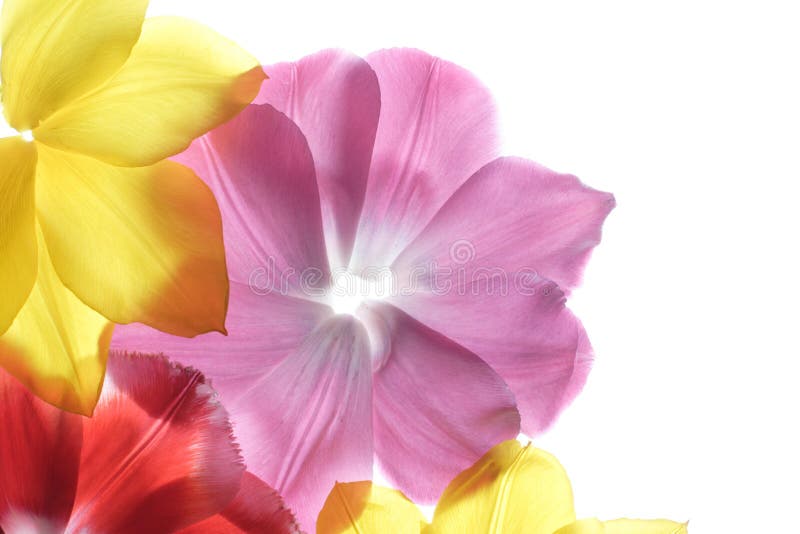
(689, 113)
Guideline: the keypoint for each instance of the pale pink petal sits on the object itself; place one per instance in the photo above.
(333, 97)
(40, 449)
(437, 127)
(257, 509)
(438, 408)
(263, 328)
(526, 334)
(308, 423)
(261, 171)
(158, 454)
(514, 216)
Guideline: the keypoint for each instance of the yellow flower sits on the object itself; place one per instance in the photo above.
(95, 226)
(512, 490)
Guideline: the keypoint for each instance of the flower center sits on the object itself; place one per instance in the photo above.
(6, 130)
(349, 291)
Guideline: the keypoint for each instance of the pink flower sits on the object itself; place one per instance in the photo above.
(389, 163)
(158, 456)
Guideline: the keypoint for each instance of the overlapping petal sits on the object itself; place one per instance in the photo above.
(333, 96)
(180, 80)
(308, 423)
(141, 244)
(17, 226)
(510, 489)
(624, 526)
(436, 128)
(256, 509)
(56, 51)
(362, 507)
(522, 329)
(437, 407)
(57, 346)
(262, 172)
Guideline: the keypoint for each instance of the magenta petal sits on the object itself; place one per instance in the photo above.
(438, 407)
(261, 171)
(532, 340)
(514, 216)
(308, 423)
(333, 97)
(40, 449)
(262, 330)
(437, 127)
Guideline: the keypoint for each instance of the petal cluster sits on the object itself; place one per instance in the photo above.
(511, 489)
(95, 227)
(350, 165)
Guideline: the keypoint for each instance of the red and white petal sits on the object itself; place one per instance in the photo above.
(158, 455)
(308, 423)
(333, 96)
(437, 127)
(40, 448)
(438, 407)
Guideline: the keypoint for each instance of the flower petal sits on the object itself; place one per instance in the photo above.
(624, 526)
(260, 168)
(362, 507)
(511, 489)
(263, 329)
(39, 453)
(56, 51)
(428, 427)
(57, 346)
(333, 96)
(308, 423)
(181, 80)
(140, 244)
(526, 335)
(514, 216)
(158, 455)
(257, 508)
(437, 127)
(17, 226)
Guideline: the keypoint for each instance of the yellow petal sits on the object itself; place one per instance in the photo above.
(362, 508)
(510, 489)
(624, 526)
(57, 347)
(57, 50)
(136, 244)
(17, 226)
(181, 80)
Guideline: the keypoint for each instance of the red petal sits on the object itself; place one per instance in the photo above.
(257, 508)
(158, 455)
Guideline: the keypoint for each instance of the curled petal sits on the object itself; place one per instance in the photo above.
(56, 51)
(180, 80)
(141, 244)
(17, 226)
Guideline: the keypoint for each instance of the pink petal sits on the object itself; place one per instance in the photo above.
(437, 127)
(261, 171)
(257, 509)
(39, 455)
(158, 455)
(307, 424)
(438, 408)
(514, 216)
(262, 330)
(333, 97)
(531, 340)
